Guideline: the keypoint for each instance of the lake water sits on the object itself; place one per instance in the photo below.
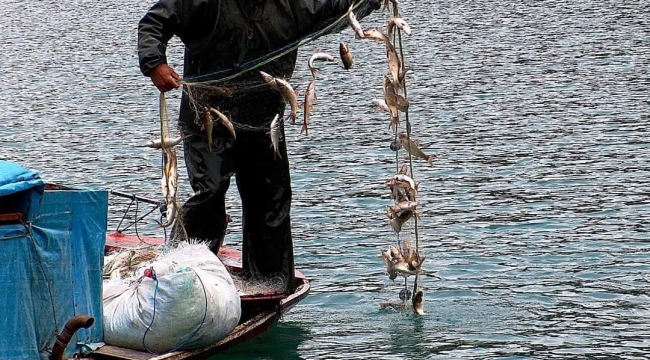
(536, 215)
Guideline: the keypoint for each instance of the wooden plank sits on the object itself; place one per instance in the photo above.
(109, 352)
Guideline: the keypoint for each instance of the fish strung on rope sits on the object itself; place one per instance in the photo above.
(402, 74)
(346, 56)
(208, 124)
(377, 35)
(394, 65)
(395, 263)
(308, 106)
(381, 104)
(158, 143)
(412, 147)
(398, 219)
(287, 92)
(170, 181)
(390, 266)
(404, 170)
(225, 121)
(402, 104)
(276, 133)
(411, 256)
(397, 70)
(406, 205)
(418, 302)
(400, 23)
(270, 80)
(394, 101)
(402, 183)
(318, 56)
(395, 253)
(390, 96)
(354, 23)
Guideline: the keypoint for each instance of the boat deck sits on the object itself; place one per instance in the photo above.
(259, 311)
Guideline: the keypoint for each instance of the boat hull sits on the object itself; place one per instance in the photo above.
(259, 312)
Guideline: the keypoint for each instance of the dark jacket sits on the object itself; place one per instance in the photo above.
(220, 35)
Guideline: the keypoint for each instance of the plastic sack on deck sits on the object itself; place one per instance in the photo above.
(191, 303)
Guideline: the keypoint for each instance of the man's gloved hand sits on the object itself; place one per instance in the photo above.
(164, 77)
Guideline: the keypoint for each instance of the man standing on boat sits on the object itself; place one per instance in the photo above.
(226, 35)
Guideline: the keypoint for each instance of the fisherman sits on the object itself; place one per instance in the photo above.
(221, 36)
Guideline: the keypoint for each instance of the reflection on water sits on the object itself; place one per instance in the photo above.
(280, 342)
(535, 217)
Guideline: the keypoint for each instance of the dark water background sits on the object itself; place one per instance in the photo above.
(536, 215)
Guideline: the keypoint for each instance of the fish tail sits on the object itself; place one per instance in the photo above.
(394, 122)
(430, 159)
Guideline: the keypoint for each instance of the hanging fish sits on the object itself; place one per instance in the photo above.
(318, 56)
(376, 34)
(275, 133)
(208, 124)
(400, 23)
(310, 95)
(354, 23)
(225, 121)
(158, 143)
(418, 302)
(346, 56)
(413, 148)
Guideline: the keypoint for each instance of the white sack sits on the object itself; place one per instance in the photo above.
(180, 303)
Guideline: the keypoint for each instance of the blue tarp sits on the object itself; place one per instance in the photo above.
(50, 265)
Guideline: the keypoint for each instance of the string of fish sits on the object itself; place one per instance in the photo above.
(402, 259)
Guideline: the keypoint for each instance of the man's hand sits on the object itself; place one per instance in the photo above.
(164, 77)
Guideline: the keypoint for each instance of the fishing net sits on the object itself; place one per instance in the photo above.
(243, 101)
(247, 100)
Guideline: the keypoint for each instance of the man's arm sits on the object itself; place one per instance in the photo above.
(155, 30)
(184, 18)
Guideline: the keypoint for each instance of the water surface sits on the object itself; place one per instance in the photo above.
(535, 216)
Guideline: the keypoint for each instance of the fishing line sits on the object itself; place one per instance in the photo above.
(410, 157)
(135, 222)
(123, 216)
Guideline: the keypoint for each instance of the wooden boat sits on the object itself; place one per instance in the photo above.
(259, 311)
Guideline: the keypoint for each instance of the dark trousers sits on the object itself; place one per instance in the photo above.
(264, 185)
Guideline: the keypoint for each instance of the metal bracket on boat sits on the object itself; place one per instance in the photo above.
(135, 197)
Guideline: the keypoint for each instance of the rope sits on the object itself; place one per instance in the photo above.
(398, 33)
(184, 342)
